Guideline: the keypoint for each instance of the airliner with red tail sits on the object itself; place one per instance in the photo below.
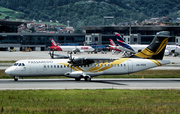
(70, 48)
(113, 46)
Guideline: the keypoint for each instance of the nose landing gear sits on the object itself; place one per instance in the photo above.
(16, 78)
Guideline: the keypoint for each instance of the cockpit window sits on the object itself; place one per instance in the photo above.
(19, 64)
(15, 64)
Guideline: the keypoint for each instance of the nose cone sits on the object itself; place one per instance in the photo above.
(8, 71)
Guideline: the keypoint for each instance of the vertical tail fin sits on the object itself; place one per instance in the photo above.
(122, 43)
(118, 36)
(112, 42)
(53, 43)
(157, 47)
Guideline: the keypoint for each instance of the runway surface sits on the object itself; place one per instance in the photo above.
(35, 84)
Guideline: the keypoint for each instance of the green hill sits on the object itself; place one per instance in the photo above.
(90, 12)
(8, 13)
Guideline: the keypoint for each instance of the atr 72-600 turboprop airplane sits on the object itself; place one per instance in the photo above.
(84, 67)
(70, 48)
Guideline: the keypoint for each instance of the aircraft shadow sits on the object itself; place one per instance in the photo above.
(114, 82)
(106, 82)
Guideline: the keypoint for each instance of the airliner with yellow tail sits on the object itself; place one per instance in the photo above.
(85, 67)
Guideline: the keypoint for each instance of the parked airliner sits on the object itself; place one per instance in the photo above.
(170, 49)
(70, 48)
(113, 46)
(84, 67)
(122, 46)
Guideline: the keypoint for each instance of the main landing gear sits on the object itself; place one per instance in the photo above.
(86, 78)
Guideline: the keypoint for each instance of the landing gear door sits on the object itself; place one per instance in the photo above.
(130, 67)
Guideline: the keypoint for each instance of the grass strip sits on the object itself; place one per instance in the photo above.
(90, 101)
(7, 62)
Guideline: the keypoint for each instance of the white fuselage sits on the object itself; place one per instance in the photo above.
(169, 48)
(79, 48)
(61, 67)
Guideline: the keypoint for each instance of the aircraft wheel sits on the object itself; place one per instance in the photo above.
(77, 79)
(87, 78)
(16, 78)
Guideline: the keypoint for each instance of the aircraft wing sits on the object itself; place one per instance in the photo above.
(57, 56)
(76, 50)
(78, 61)
(125, 49)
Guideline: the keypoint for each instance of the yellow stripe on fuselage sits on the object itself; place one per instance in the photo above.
(99, 67)
(74, 68)
(156, 62)
(110, 65)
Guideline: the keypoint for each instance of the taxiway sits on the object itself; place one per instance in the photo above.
(36, 84)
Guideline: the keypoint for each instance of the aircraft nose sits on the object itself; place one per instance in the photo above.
(8, 71)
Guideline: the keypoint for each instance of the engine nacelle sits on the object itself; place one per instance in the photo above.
(166, 53)
(75, 74)
(78, 61)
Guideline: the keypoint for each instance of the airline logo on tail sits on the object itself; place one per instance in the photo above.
(118, 36)
(53, 42)
(112, 42)
(157, 47)
(122, 43)
(55, 46)
(113, 45)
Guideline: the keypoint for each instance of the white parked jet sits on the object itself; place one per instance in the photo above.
(70, 48)
(79, 67)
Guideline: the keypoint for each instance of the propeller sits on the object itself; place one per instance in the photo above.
(71, 60)
(78, 61)
(51, 53)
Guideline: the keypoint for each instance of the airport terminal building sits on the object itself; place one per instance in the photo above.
(95, 36)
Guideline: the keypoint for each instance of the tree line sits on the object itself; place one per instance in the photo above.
(85, 13)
